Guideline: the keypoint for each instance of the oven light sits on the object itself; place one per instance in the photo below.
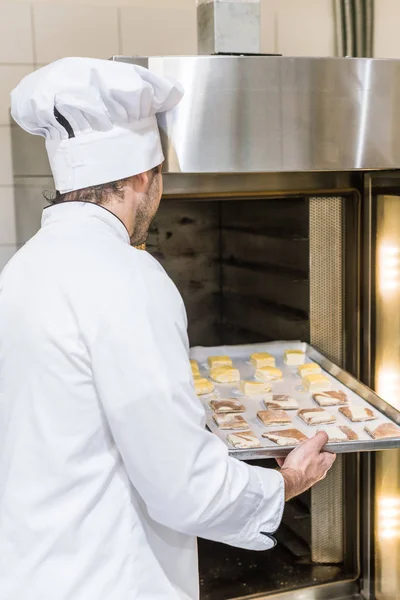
(389, 268)
(389, 502)
(389, 534)
(390, 250)
(389, 518)
(388, 385)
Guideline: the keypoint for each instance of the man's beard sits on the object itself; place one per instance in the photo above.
(145, 215)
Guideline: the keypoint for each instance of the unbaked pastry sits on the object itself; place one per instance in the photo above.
(330, 398)
(225, 374)
(281, 401)
(219, 361)
(230, 421)
(252, 388)
(308, 369)
(315, 416)
(269, 374)
(195, 367)
(316, 383)
(243, 440)
(286, 437)
(385, 431)
(203, 386)
(357, 413)
(274, 417)
(294, 358)
(339, 434)
(227, 406)
(262, 359)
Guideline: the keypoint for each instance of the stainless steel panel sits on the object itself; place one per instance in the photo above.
(268, 114)
(334, 591)
(239, 185)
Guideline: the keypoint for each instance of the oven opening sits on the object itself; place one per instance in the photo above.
(255, 270)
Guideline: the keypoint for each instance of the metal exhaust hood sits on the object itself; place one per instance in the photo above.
(263, 114)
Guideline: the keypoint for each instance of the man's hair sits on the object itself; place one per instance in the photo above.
(98, 194)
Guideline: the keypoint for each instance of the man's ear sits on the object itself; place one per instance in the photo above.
(140, 182)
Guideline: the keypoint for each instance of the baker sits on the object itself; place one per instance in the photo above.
(107, 474)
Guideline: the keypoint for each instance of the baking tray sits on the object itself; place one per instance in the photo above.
(358, 394)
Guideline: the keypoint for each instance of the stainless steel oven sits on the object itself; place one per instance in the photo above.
(281, 220)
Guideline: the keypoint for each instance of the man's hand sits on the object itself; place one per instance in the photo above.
(306, 465)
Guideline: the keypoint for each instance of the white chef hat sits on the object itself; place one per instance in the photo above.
(98, 118)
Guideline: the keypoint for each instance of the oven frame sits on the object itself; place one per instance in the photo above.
(231, 187)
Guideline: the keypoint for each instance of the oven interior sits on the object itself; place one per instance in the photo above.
(255, 269)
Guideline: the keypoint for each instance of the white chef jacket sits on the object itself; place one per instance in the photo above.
(107, 474)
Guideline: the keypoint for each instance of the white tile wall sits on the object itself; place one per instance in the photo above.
(10, 76)
(306, 28)
(7, 216)
(6, 171)
(29, 203)
(386, 29)
(6, 252)
(16, 45)
(164, 31)
(29, 154)
(269, 23)
(61, 30)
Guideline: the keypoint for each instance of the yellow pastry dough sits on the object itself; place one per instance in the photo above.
(225, 375)
(268, 374)
(308, 369)
(262, 359)
(195, 367)
(316, 383)
(219, 361)
(203, 386)
(294, 358)
(252, 388)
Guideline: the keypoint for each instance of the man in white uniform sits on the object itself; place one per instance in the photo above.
(107, 474)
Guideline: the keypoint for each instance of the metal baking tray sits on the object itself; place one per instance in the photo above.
(358, 394)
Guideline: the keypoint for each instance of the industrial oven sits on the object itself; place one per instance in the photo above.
(281, 220)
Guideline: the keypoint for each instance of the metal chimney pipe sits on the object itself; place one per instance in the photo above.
(228, 26)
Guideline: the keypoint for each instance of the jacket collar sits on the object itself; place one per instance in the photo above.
(78, 211)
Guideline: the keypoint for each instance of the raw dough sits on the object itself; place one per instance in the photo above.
(230, 421)
(262, 359)
(252, 388)
(281, 401)
(219, 361)
(274, 417)
(308, 369)
(339, 434)
(330, 398)
(227, 406)
(203, 386)
(243, 440)
(225, 374)
(384, 431)
(286, 437)
(316, 383)
(357, 413)
(315, 416)
(268, 374)
(294, 358)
